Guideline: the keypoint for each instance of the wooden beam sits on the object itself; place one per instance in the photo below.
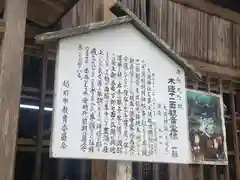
(215, 69)
(11, 63)
(32, 31)
(35, 90)
(31, 149)
(30, 142)
(211, 9)
(35, 51)
(55, 5)
(79, 30)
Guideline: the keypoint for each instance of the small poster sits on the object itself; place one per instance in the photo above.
(207, 127)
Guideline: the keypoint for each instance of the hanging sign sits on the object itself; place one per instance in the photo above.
(120, 103)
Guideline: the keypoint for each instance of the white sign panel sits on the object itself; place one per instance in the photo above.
(118, 100)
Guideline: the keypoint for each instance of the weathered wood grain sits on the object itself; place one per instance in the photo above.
(11, 63)
(2, 28)
(195, 34)
(119, 170)
(99, 170)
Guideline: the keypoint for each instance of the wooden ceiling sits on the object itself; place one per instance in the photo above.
(45, 13)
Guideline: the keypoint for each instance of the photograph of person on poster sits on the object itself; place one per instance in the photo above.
(206, 127)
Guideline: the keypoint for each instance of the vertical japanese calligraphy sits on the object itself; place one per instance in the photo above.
(173, 113)
(125, 105)
(119, 105)
(80, 61)
(106, 118)
(85, 101)
(138, 107)
(132, 109)
(121, 108)
(93, 110)
(100, 97)
(64, 129)
(166, 130)
(113, 105)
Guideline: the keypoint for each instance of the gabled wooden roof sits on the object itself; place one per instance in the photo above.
(45, 13)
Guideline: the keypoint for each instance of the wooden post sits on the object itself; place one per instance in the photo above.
(84, 168)
(235, 136)
(119, 170)
(180, 172)
(227, 177)
(99, 170)
(115, 170)
(60, 169)
(156, 168)
(11, 63)
(40, 124)
(105, 8)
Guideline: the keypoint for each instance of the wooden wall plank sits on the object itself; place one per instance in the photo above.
(195, 34)
(192, 33)
(219, 44)
(159, 18)
(236, 46)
